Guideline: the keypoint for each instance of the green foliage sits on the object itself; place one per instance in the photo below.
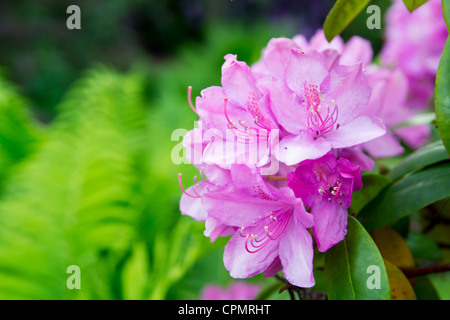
(427, 155)
(346, 266)
(80, 182)
(407, 195)
(340, 16)
(373, 184)
(442, 96)
(423, 247)
(78, 201)
(19, 135)
(414, 4)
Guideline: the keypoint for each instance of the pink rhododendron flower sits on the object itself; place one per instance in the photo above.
(277, 53)
(389, 101)
(216, 180)
(239, 106)
(271, 228)
(320, 108)
(414, 43)
(357, 157)
(237, 291)
(326, 186)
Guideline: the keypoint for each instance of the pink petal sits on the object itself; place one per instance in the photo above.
(215, 229)
(237, 210)
(350, 91)
(357, 50)
(320, 43)
(296, 255)
(238, 82)
(295, 148)
(305, 68)
(356, 156)
(276, 56)
(384, 146)
(274, 268)
(415, 136)
(360, 130)
(210, 108)
(286, 105)
(192, 206)
(243, 264)
(330, 223)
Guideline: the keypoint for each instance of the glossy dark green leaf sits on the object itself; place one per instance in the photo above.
(429, 154)
(423, 247)
(446, 11)
(442, 89)
(413, 4)
(350, 264)
(342, 13)
(372, 185)
(407, 195)
(424, 289)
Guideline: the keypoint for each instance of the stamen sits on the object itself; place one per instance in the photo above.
(184, 191)
(190, 100)
(270, 228)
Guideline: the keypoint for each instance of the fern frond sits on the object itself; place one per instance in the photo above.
(74, 202)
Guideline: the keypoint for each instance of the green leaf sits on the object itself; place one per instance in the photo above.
(401, 288)
(413, 4)
(422, 246)
(424, 289)
(347, 271)
(429, 154)
(135, 273)
(418, 119)
(441, 283)
(340, 16)
(393, 247)
(19, 134)
(372, 185)
(446, 11)
(442, 89)
(407, 195)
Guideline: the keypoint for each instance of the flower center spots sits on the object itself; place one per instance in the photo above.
(266, 229)
(260, 117)
(243, 132)
(333, 192)
(321, 119)
(261, 193)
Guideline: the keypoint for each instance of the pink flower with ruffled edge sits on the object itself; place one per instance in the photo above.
(326, 186)
(276, 55)
(213, 179)
(321, 108)
(271, 228)
(238, 290)
(239, 106)
(389, 101)
(414, 43)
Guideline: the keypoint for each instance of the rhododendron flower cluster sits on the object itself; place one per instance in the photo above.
(322, 111)
(414, 44)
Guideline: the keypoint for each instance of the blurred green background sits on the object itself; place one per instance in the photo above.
(86, 118)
